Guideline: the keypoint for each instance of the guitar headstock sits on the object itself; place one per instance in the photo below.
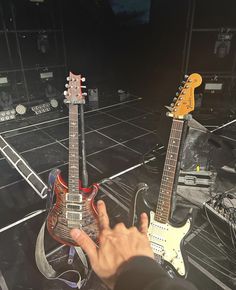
(74, 94)
(184, 103)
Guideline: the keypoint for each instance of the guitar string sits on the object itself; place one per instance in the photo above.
(176, 132)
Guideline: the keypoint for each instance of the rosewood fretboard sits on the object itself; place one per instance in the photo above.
(73, 180)
(168, 176)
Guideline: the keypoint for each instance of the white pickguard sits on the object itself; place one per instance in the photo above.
(166, 240)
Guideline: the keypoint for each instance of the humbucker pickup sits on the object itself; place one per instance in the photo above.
(73, 216)
(74, 206)
(74, 197)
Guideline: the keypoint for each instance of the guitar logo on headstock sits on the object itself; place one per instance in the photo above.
(74, 94)
(183, 103)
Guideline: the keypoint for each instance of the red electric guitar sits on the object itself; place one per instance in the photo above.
(73, 208)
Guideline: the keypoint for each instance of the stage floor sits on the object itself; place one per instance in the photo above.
(117, 137)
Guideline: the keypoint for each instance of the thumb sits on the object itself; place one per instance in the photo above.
(87, 245)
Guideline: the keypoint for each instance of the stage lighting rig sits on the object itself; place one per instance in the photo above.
(42, 108)
(7, 115)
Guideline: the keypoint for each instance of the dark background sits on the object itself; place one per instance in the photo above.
(140, 51)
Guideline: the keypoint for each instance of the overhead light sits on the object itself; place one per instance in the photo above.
(223, 43)
(43, 43)
(54, 103)
(21, 109)
(42, 108)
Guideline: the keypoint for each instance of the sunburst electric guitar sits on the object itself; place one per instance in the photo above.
(167, 238)
(73, 207)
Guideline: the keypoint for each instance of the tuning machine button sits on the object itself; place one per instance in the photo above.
(67, 86)
(68, 79)
(186, 76)
(169, 114)
(65, 93)
(172, 105)
(180, 88)
(175, 99)
(83, 79)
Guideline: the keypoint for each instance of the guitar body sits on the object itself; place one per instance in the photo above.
(166, 242)
(167, 239)
(67, 214)
(74, 206)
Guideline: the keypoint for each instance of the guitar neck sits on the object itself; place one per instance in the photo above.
(168, 176)
(73, 181)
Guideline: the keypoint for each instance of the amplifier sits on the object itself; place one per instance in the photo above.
(196, 186)
(221, 214)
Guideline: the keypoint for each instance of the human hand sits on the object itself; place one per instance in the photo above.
(116, 246)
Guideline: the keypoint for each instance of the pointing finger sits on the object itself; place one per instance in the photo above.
(84, 241)
(143, 228)
(103, 218)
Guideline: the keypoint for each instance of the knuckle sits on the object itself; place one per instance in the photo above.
(119, 226)
(133, 230)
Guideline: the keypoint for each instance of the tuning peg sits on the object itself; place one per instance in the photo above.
(68, 79)
(65, 93)
(83, 87)
(177, 94)
(175, 99)
(183, 82)
(84, 94)
(83, 79)
(186, 76)
(168, 114)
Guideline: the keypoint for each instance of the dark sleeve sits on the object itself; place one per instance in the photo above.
(144, 273)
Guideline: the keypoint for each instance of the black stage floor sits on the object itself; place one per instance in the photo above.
(117, 137)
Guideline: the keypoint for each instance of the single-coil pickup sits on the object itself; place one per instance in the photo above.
(156, 238)
(157, 247)
(73, 216)
(70, 197)
(160, 226)
(74, 206)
